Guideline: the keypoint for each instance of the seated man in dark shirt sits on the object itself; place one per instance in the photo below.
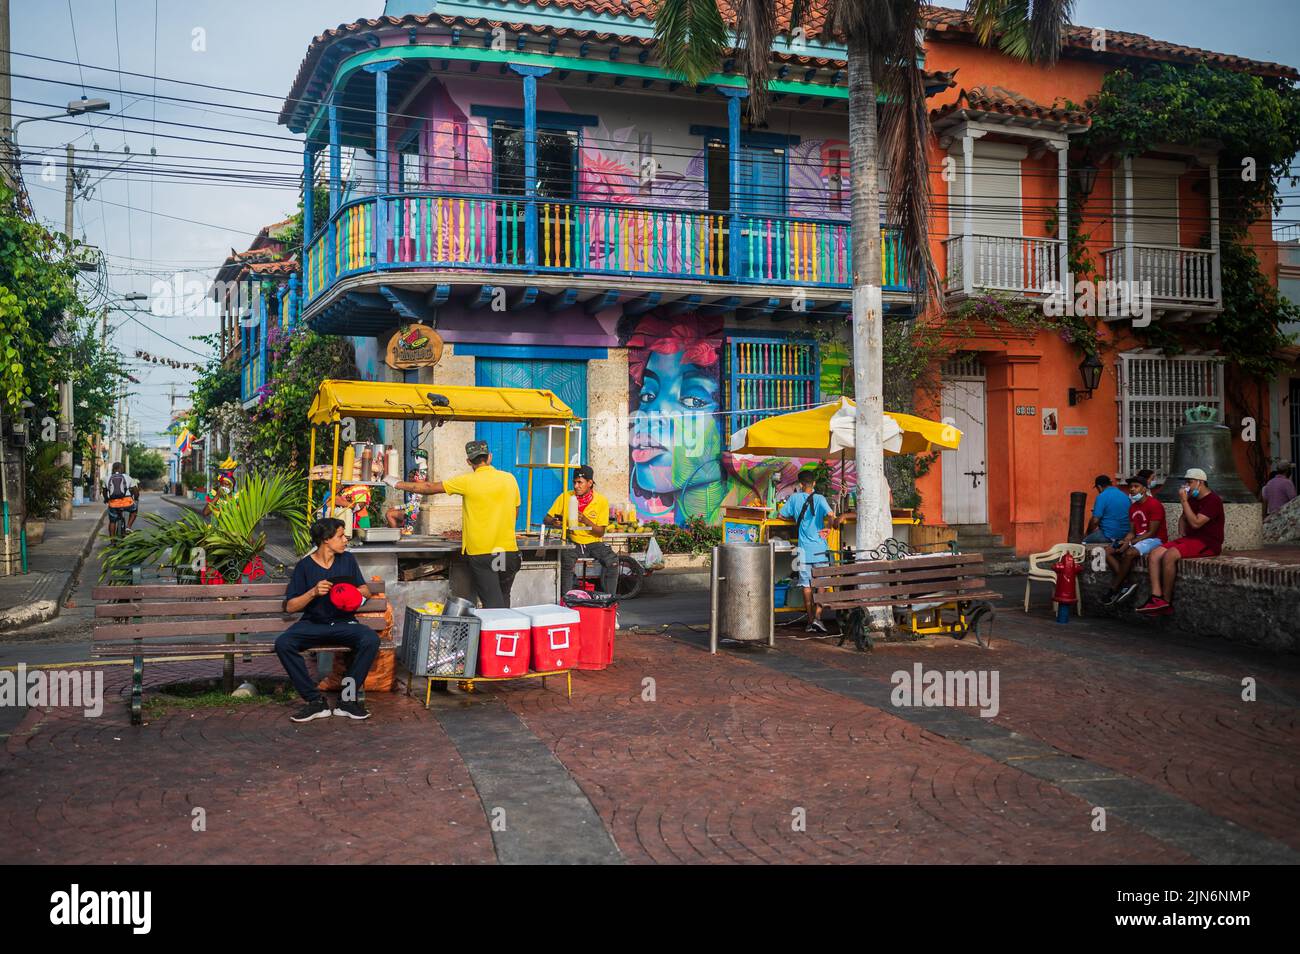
(324, 624)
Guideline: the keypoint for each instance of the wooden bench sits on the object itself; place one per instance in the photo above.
(152, 620)
(934, 582)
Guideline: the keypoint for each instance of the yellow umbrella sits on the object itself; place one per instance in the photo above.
(826, 431)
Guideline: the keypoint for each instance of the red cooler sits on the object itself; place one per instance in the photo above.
(503, 642)
(596, 643)
(555, 636)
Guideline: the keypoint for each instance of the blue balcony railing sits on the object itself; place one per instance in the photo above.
(437, 231)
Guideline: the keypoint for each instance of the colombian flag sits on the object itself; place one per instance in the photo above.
(184, 442)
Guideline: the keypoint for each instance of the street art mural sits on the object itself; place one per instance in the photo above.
(674, 372)
(680, 467)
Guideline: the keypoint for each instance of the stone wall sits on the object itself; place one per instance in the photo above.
(446, 445)
(1243, 524)
(606, 436)
(1243, 599)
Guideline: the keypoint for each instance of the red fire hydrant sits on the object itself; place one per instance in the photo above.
(1065, 594)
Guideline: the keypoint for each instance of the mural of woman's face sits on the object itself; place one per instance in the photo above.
(674, 423)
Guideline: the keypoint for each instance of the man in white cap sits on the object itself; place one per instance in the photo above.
(1201, 529)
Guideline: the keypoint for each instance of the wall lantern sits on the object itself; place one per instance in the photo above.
(1090, 370)
(1085, 177)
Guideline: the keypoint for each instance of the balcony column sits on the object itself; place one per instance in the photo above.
(308, 219)
(1216, 266)
(335, 189)
(1129, 275)
(1062, 150)
(294, 299)
(968, 213)
(383, 180)
(734, 96)
(530, 74)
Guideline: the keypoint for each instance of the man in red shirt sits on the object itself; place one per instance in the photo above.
(1201, 525)
(1146, 517)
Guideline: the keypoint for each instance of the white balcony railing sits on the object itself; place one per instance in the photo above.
(1002, 263)
(1175, 274)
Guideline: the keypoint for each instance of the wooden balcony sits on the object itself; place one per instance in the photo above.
(1176, 275)
(1020, 265)
(476, 234)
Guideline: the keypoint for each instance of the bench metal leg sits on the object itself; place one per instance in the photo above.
(228, 670)
(137, 690)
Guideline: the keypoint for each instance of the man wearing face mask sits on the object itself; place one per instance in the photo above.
(1201, 525)
(1146, 516)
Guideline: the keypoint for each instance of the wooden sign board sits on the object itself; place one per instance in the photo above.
(414, 346)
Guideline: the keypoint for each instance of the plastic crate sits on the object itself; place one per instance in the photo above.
(440, 645)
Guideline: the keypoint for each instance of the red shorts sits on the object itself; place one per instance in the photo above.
(1189, 549)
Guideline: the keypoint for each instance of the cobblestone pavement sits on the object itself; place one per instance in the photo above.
(744, 757)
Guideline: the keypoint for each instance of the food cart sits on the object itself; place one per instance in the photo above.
(825, 433)
(420, 568)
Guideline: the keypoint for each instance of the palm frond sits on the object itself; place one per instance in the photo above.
(1024, 29)
(691, 37)
(755, 27)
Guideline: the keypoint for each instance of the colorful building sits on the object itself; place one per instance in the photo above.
(569, 215)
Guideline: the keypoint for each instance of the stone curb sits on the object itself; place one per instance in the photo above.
(42, 611)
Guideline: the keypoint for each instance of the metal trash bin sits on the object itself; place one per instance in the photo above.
(740, 594)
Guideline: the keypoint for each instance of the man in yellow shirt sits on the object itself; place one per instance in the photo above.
(588, 518)
(489, 513)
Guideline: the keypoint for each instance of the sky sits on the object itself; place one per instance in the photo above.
(151, 227)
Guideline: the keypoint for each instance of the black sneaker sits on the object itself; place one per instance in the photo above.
(817, 626)
(1126, 593)
(353, 710)
(320, 709)
(1111, 597)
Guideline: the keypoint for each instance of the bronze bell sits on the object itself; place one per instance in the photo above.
(1205, 443)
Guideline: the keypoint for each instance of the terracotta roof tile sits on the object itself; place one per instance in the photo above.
(1008, 102)
(940, 20)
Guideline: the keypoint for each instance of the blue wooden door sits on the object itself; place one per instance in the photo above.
(761, 196)
(568, 379)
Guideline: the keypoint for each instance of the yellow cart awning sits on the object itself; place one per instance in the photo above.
(390, 401)
(827, 431)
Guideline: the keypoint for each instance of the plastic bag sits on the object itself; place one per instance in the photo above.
(654, 556)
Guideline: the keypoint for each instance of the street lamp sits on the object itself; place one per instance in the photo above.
(1090, 370)
(76, 107)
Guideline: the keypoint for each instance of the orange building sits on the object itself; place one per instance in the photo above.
(1034, 433)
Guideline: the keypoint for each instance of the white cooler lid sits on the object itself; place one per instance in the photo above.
(549, 614)
(502, 619)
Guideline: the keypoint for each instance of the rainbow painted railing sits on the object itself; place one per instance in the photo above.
(490, 233)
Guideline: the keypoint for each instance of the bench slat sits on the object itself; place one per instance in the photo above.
(186, 590)
(209, 627)
(830, 599)
(259, 648)
(237, 607)
(960, 559)
(877, 578)
(913, 589)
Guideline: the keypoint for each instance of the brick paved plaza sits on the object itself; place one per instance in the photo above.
(734, 755)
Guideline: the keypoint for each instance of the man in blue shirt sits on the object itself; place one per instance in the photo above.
(813, 517)
(323, 623)
(1109, 521)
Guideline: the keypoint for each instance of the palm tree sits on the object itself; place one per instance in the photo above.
(881, 38)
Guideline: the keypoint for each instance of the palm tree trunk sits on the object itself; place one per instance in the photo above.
(873, 524)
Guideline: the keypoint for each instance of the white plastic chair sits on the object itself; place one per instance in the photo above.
(1040, 569)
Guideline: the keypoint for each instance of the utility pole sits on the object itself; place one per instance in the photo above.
(65, 387)
(7, 158)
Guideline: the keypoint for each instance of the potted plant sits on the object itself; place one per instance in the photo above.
(44, 488)
(223, 546)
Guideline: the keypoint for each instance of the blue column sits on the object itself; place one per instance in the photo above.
(335, 187)
(308, 217)
(293, 300)
(383, 180)
(734, 96)
(530, 74)
(261, 307)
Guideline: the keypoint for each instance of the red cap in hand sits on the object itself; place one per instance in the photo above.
(346, 597)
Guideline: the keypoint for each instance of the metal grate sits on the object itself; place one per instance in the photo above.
(1154, 393)
(770, 376)
(964, 364)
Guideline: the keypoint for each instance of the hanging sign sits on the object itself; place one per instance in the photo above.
(414, 346)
